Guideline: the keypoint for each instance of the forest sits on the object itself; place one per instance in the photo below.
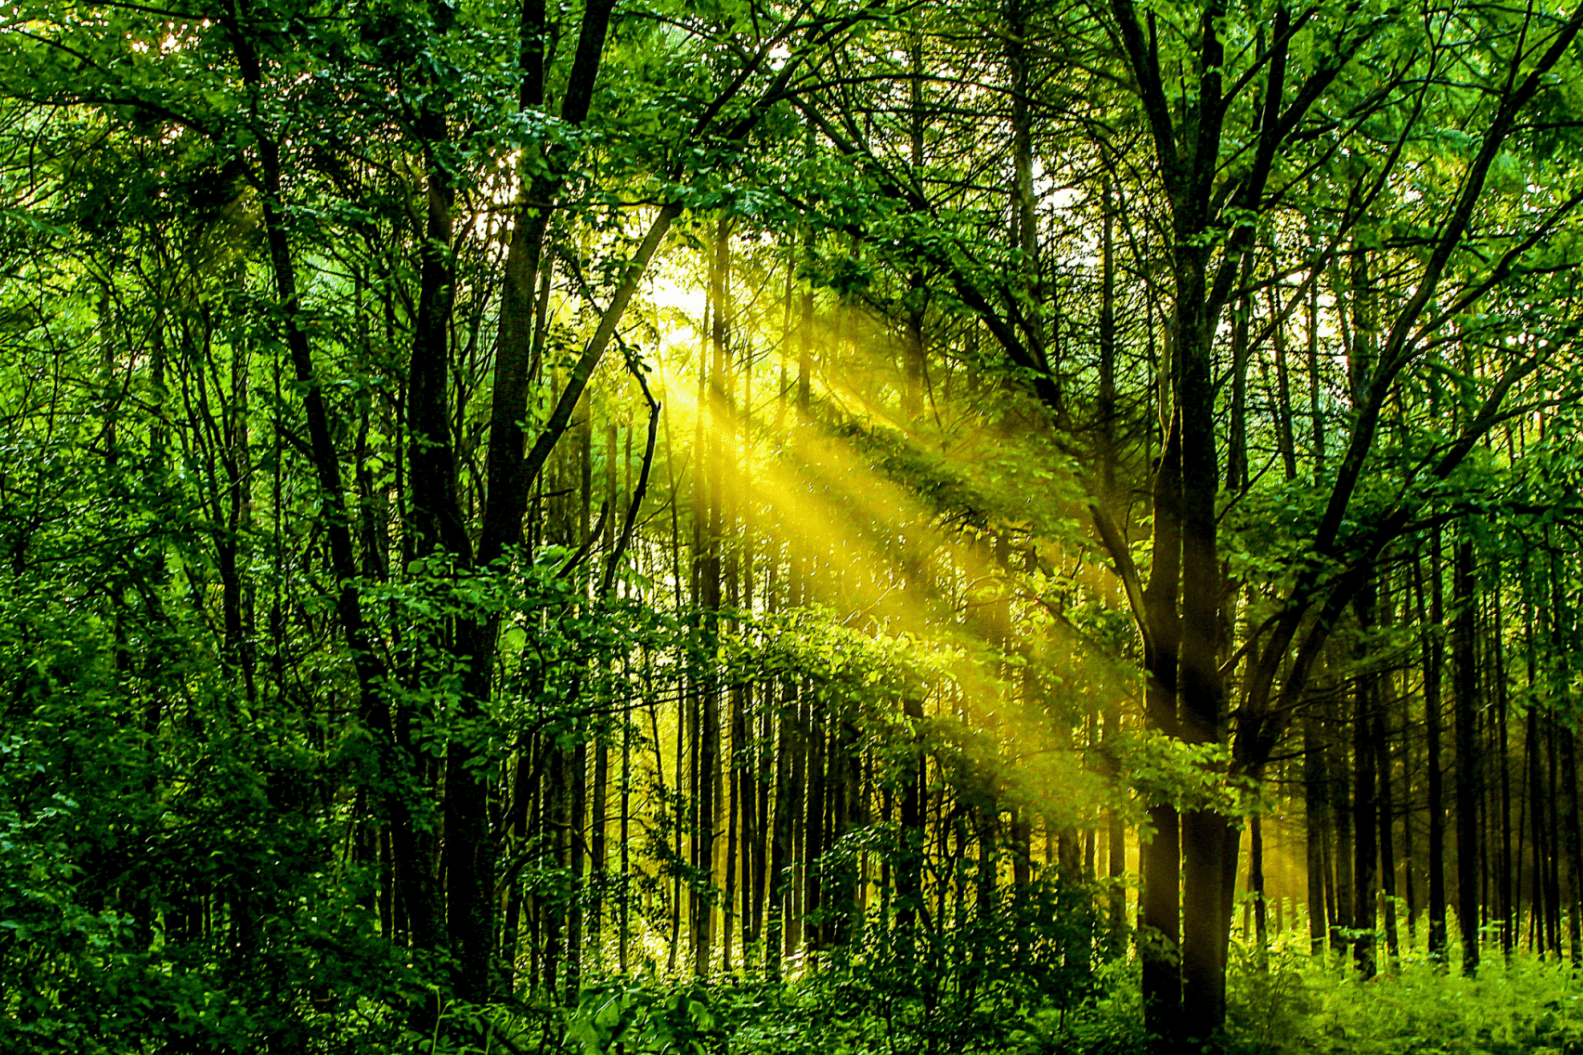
(790, 526)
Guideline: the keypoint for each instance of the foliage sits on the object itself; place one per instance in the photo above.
(1009, 978)
(1303, 1006)
(116, 837)
(1287, 1003)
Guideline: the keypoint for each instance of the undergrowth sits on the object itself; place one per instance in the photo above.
(1302, 1006)
(1290, 1004)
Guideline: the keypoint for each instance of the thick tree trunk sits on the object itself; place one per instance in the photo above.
(1209, 838)
(1159, 906)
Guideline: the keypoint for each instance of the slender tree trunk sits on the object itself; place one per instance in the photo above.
(1381, 737)
(1433, 650)
(556, 821)
(1467, 775)
(1345, 843)
(780, 842)
(1364, 789)
(711, 512)
(1571, 841)
(735, 751)
(467, 857)
(1316, 414)
(1116, 846)
(1572, 837)
(802, 739)
(1237, 442)
(1553, 837)
(1534, 796)
(763, 874)
(909, 863)
(623, 883)
(1284, 438)
(576, 860)
(814, 829)
(1504, 867)
(523, 795)
(1409, 808)
(1256, 885)
(1316, 813)
(415, 884)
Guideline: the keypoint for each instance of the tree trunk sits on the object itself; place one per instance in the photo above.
(1467, 775)
(1553, 836)
(1116, 845)
(1365, 851)
(814, 821)
(1256, 885)
(1344, 815)
(1381, 737)
(780, 841)
(1159, 928)
(1433, 652)
(909, 862)
(797, 843)
(1316, 799)
(1504, 866)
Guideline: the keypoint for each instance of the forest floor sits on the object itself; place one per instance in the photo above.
(1293, 1005)
(1516, 1004)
